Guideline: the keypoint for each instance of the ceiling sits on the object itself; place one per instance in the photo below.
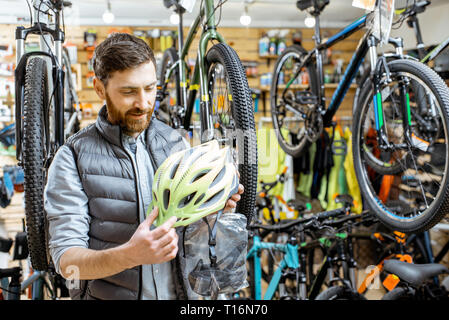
(264, 13)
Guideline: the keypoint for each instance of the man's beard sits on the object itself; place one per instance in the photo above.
(129, 125)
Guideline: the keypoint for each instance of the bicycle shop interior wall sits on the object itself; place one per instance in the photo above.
(246, 41)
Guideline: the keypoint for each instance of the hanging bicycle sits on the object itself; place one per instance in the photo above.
(386, 119)
(226, 111)
(46, 105)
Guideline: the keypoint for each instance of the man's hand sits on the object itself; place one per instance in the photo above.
(153, 246)
(145, 247)
(232, 202)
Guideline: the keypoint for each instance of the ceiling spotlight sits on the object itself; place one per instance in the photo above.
(108, 16)
(174, 18)
(309, 22)
(245, 19)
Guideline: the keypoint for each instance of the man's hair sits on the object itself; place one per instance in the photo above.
(120, 51)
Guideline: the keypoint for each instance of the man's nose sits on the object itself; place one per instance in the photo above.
(142, 101)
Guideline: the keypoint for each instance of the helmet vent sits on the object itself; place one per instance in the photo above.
(199, 198)
(219, 177)
(213, 199)
(184, 202)
(174, 169)
(154, 196)
(166, 198)
(200, 175)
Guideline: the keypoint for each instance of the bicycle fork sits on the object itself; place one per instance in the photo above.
(376, 65)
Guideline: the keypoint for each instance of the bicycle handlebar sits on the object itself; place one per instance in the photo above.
(291, 223)
(363, 214)
(10, 272)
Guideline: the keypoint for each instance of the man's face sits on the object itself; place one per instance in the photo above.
(130, 96)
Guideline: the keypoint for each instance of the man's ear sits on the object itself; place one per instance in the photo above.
(100, 88)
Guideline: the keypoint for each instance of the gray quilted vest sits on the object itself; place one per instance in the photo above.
(108, 178)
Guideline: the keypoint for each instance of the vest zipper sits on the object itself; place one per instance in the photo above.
(139, 294)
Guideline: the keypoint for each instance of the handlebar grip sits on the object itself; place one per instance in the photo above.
(331, 214)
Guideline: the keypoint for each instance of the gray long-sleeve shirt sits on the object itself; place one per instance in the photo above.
(66, 205)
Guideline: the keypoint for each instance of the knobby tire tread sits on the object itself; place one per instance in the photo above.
(244, 118)
(33, 146)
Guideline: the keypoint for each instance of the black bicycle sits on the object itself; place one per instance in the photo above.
(47, 112)
(390, 140)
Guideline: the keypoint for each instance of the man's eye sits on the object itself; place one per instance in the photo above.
(150, 88)
(127, 92)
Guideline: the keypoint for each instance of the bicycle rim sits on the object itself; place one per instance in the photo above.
(290, 117)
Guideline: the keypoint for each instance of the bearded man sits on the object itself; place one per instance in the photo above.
(99, 187)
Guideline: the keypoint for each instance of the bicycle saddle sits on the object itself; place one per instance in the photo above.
(317, 5)
(345, 199)
(60, 3)
(420, 7)
(169, 3)
(297, 204)
(414, 274)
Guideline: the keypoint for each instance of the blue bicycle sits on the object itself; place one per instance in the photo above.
(393, 138)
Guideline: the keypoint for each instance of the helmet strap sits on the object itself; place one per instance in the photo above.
(212, 240)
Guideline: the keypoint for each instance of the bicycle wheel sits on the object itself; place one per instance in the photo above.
(34, 153)
(171, 90)
(69, 106)
(360, 84)
(233, 118)
(340, 293)
(292, 111)
(417, 162)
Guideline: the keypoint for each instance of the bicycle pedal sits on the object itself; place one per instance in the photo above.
(305, 97)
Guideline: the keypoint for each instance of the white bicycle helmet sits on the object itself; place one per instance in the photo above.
(194, 183)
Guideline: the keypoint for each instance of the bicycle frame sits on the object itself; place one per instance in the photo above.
(290, 260)
(368, 44)
(41, 28)
(199, 77)
(36, 280)
(349, 74)
(436, 51)
(326, 267)
(424, 56)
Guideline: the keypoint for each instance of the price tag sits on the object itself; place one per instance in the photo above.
(364, 4)
(383, 19)
(187, 4)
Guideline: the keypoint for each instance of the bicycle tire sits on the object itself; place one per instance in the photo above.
(289, 148)
(311, 259)
(340, 293)
(35, 98)
(440, 205)
(361, 83)
(251, 278)
(164, 112)
(241, 111)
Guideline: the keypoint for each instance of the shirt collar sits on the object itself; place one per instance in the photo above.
(130, 140)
